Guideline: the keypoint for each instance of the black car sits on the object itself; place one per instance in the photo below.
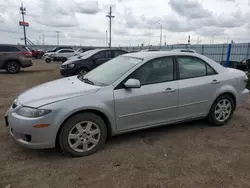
(88, 60)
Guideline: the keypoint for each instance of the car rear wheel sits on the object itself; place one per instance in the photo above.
(82, 134)
(221, 110)
(48, 60)
(12, 67)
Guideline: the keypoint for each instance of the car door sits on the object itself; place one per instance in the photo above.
(198, 83)
(67, 53)
(155, 102)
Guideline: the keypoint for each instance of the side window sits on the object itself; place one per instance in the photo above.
(117, 53)
(8, 49)
(61, 51)
(68, 51)
(103, 54)
(3, 49)
(190, 67)
(210, 71)
(13, 49)
(155, 71)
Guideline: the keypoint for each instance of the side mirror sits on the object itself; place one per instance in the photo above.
(132, 83)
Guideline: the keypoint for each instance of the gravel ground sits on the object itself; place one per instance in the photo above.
(184, 155)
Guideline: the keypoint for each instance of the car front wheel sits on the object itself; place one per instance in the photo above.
(82, 134)
(221, 110)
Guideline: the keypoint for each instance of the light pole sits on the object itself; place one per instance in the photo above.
(57, 35)
(161, 33)
(23, 12)
(106, 38)
(110, 16)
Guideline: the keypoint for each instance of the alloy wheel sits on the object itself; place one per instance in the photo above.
(223, 110)
(12, 67)
(84, 136)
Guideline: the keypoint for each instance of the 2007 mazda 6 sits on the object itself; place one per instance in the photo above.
(131, 92)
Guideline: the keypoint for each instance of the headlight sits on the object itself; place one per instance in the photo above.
(71, 65)
(32, 112)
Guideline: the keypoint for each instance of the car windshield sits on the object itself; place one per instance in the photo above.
(112, 70)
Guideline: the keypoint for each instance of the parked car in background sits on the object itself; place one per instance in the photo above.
(14, 57)
(59, 48)
(37, 54)
(150, 50)
(184, 50)
(131, 92)
(88, 61)
(60, 55)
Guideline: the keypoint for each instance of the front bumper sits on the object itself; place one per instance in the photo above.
(22, 130)
(67, 72)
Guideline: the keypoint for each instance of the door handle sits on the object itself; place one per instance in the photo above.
(215, 82)
(169, 90)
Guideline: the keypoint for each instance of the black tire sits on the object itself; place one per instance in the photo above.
(212, 117)
(48, 60)
(82, 71)
(64, 59)
(12, 67)
(70, 123)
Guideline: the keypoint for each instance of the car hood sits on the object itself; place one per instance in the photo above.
(54, 91)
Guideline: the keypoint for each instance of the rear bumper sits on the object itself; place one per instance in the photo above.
(243, 97)
(26, 63)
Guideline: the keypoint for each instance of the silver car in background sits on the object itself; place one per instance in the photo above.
(131, 92)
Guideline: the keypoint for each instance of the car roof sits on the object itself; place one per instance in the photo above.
(155, 54)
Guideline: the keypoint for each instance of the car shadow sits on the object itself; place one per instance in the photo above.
(147, 135)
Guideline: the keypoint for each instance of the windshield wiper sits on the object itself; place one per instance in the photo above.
(86, 80)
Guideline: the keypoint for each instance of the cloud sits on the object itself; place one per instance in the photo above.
(88, 7)
(191, 9)
(1, 19)
(85, 22)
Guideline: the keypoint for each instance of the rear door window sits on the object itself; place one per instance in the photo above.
(103, 55)
(9, 49)
(117, 53)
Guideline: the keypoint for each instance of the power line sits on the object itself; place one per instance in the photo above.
(23, 12)
(110, 16)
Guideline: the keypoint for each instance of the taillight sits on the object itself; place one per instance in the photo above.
(27, 54)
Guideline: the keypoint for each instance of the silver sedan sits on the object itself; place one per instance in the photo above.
(131, 92)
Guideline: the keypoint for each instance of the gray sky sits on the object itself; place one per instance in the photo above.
(84, 21)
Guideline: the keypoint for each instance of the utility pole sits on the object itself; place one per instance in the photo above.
(188, 39)
(57, 35)
(110, 16)
(149, 35)
(106, 38)
(23, 12)
(43, 39)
